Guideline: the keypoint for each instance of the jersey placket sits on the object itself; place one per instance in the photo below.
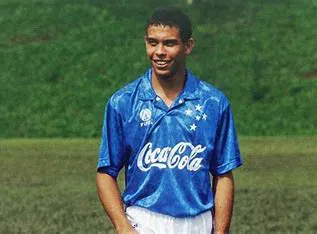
(159, 103)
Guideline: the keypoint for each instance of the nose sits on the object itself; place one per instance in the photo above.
(160, 50)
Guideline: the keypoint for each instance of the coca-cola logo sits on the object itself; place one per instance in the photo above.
(183, 155)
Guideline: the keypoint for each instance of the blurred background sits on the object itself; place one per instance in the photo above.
(61, 61)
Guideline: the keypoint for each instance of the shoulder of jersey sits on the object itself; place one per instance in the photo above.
(208, 91)
(124, 94)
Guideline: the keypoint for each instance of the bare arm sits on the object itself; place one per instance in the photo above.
(109, 195)
(223, 187)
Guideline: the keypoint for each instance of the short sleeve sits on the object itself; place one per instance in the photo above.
(226, 155)
(111, 153)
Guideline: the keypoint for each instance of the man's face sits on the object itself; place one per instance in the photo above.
(166, 51)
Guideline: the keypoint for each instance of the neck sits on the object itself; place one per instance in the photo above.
(168, 88)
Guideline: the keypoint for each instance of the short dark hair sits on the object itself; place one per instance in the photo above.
(173, 17)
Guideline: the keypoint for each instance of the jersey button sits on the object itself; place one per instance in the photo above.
(157, 99)
(180, 101)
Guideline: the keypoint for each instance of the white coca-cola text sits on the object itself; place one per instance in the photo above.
(182, 155)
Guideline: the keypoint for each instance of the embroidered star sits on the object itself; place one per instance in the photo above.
(198, 107)
(193, 127)
(198, 117)
(205, 116)
(188, 112)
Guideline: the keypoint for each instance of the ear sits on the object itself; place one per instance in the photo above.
(145, 36)
(189, 45)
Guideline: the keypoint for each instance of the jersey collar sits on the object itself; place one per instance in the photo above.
(189, 92)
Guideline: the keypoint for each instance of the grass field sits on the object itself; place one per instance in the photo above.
(61, 60)
(48, 186)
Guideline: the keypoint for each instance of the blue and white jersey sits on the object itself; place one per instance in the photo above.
(168, 153)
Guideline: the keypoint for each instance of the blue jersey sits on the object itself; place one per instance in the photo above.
(168, 152)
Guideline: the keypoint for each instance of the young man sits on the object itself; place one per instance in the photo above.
(169, 130)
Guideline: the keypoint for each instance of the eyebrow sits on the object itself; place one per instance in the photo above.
(150, 39)
(174, 41)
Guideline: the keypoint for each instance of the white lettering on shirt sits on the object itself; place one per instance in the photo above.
(170, 157)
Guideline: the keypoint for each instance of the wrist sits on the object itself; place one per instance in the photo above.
(221, 232)
(123, 226)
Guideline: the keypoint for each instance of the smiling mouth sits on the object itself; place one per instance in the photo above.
(161, 63)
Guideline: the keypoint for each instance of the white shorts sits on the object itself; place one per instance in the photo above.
(149, 222)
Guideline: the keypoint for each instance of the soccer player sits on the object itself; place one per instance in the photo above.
(170, 131)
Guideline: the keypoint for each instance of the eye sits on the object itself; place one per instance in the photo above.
(170, 43)
(152, 42)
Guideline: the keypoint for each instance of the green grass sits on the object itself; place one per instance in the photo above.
(48, 186)
(61, 60)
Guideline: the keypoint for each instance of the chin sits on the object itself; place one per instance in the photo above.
(163, 74)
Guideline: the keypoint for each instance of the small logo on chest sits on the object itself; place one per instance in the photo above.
(146, 117)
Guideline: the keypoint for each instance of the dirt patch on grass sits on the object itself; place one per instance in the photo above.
(310, 75)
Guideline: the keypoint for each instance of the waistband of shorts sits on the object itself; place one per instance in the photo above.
(157, 214)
